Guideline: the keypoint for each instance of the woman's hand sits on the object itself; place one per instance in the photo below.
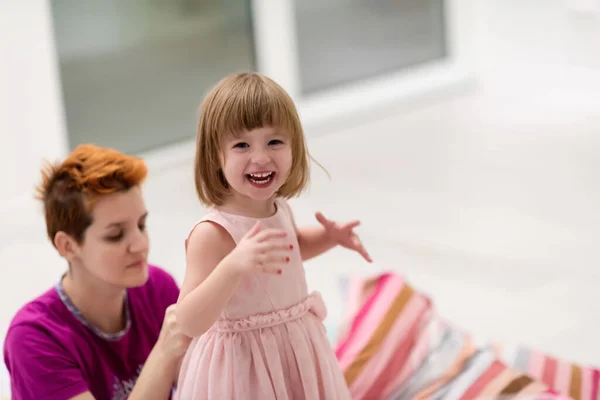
(172, 343)
(161, 370)
(343, 234)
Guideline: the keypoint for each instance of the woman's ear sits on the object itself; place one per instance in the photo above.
(66, 245)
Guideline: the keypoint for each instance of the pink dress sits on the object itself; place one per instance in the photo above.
(269, 342)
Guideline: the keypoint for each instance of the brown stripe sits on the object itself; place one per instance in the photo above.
(575, 386)
(536, 387)
(379, 335)
(496, 385)
(516, 385)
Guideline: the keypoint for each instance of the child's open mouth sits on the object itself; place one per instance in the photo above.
(260, 179)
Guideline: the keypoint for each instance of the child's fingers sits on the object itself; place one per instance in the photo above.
(352, 224)
(360, 248)
(322, 220)
(269, 234)
(254, 230)
(275, 258)
(366, 255)
(272, 270)
(276, 245)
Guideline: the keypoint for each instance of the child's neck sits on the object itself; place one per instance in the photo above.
(249, 207)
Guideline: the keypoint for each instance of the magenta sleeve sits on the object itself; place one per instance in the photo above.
(167, 290)
(39, 367)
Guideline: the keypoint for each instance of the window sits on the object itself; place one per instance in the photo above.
(134, 72)
(341, 41)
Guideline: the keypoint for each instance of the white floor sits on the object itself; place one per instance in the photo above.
(487, 201)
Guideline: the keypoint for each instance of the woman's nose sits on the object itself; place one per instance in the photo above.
(139, 243)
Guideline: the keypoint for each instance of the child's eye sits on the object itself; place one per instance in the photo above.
(275, 142)
(241, 145)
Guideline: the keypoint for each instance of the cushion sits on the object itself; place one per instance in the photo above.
(391, 343)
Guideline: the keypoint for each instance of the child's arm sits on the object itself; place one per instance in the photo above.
(214, 266)
(316, 240)
(208, 284)
(313, 241)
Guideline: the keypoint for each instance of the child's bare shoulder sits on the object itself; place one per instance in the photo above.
(209, 238)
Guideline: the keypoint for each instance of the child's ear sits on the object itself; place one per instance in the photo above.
(66, 245)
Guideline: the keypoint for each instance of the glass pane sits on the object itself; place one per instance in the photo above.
(341, 41)
(134, 72)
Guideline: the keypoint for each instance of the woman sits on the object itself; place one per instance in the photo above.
(107, 329)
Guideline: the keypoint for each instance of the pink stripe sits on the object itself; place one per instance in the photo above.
(361, 315)
(586, 384)
(536, 364)
(401, 375)
(595, 378)
(369, 319)
(424, 343)
(396, 346)
(562, 381)
(352, 296)
(550, 372)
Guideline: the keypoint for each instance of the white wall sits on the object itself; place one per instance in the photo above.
(31, 128)
(537, 42)
(31, 116)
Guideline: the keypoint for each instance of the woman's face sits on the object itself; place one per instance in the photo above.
(115, 246)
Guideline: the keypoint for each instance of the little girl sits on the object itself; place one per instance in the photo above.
(258, 333)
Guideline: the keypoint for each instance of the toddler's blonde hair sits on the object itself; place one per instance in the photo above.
(242, 102)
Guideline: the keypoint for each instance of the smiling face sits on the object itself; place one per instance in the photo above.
(257, 163)
(250, 142)
(114, 249)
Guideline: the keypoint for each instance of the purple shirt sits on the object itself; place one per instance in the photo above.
(52, 353)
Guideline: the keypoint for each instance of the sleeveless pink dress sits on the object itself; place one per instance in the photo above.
(270, 341)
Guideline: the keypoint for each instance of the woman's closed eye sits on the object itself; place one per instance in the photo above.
(114, 237)
(118, 236)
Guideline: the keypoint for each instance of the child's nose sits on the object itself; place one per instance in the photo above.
(261, 158)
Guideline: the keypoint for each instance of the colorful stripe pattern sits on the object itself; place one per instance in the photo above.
(395, 346)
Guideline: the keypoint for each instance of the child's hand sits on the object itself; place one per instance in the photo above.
(343, 234)
(261, 250)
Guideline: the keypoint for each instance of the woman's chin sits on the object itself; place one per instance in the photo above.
(135, 277)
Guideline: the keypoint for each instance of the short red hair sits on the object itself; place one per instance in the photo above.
(69, 189)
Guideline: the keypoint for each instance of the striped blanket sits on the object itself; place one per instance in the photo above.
(394, 346)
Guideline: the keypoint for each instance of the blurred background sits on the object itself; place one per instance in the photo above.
(464, 134)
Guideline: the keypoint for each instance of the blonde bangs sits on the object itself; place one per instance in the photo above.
(254, 103)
